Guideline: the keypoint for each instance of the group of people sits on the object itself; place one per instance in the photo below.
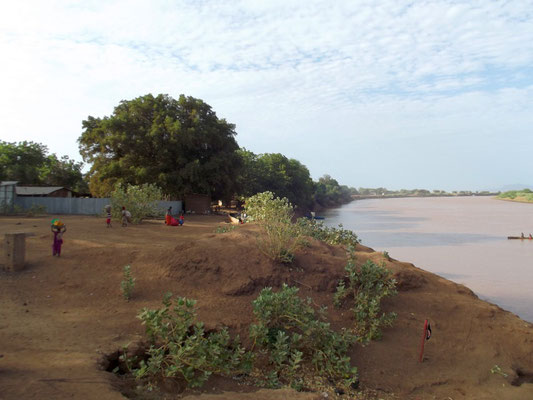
(524, 237)
(58, 228)
(126, 216)
(171, 221)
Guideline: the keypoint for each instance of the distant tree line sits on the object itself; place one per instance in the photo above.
(30, 163)
(383, 192)
(518, 195)
(178, 144)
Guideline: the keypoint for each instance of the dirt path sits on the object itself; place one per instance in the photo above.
(60, 315)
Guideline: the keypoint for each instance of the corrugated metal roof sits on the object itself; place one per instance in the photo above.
(8, 183)
(36, 190)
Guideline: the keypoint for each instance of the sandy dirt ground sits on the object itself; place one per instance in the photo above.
(62, 318)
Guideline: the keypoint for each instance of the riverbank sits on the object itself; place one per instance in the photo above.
(61, 318)
(400, 196)
(516, 200)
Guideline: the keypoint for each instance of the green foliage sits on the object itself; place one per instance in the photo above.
(140, 201)
(30, 163)
(367, 285)
(265, 207)
(279, 237)
(179, 145)
(225, 228)
(275, 173)
(523, 195)
(335, 236)
(496, 369)
(35, 209)
(128, 283)
(9, 209)
(180, 347)
(297, 343)
(511, 194)
(328, 192)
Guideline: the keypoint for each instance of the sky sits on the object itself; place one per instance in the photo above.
(393, 93)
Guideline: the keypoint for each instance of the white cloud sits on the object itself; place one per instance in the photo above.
(295, 72)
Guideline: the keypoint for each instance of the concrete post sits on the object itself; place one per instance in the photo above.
(15, 249)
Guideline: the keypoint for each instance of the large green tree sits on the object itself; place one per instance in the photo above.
(180, 145)
(278, 174)
(328, 192)
(30, 163)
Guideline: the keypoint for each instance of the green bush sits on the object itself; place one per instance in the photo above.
(128, 283)
(367, 285)
(297, 343)
(330, 235)
(180, 347)
(140, 201)
(225, 228)
(35, 209)
(279, 237)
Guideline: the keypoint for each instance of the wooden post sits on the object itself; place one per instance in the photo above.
(15, 249)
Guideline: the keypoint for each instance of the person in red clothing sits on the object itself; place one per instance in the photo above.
(168, 216)
(181, 220)
(108, 215)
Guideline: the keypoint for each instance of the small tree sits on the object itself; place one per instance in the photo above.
(279, 237)
(367, 285)
(299, 343)
(128, 283)
(140, 201)
(180, 347)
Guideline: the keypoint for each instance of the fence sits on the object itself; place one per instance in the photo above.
(82, 206)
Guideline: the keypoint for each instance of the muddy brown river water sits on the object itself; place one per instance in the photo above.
(463, 239)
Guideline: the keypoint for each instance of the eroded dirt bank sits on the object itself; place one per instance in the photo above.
(60, 315)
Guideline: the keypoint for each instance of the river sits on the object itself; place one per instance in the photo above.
(463, 239)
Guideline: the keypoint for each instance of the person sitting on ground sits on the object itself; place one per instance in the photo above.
(181, 220)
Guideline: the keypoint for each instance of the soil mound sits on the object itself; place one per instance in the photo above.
(69, 311)
(232, 264)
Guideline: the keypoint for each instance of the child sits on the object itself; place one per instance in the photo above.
(108, 220)
(181, 220)
(126, 216)
(58, 228)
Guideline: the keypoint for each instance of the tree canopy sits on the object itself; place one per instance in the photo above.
(278, 174)
(179, 145)
(29, 163)
(328, 192)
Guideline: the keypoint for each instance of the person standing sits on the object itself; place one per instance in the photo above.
(124, 216)
(168, 216)
(58, 229)
(108, 215)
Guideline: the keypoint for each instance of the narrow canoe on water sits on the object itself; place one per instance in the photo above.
(519, 237)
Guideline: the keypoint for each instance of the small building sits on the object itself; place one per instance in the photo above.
(7, 195)
(43, 191)
(197, 203)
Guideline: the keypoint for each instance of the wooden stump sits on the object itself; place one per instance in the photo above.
(15, 249)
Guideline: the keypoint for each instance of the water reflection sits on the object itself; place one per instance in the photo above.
(383, 239)
(463, 239)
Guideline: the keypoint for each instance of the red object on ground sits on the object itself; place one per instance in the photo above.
(424, 337)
